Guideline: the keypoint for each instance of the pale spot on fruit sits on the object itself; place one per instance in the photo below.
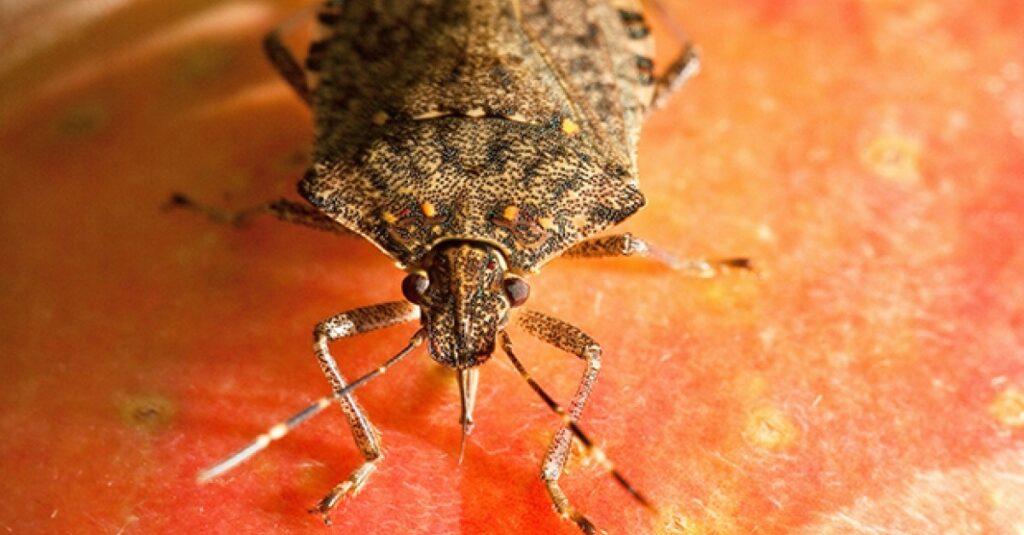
(148, 413)
(895, 158)
(83, 119)
(202, 63)
(716, 516)
(1008, 407)
(765, 233)
(770, 428)
(677, 523)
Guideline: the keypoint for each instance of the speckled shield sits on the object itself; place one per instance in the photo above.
(511, 123)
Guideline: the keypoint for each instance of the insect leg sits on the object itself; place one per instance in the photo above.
(284, 61)
(618, 245)
(282, 428)
(283, 209)
(571, 340)
(576, 342)
(685, 65)
(682, 68)
(367, 438)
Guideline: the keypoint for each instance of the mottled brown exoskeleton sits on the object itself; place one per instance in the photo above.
(472, 141)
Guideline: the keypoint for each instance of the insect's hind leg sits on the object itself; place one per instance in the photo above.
(571, 340)
(366, 437)
(619, 245)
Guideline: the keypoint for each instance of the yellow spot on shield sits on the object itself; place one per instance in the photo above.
(546, 222)
(769, 428)
(1008, 407)
(380, 118)
(510, 213)
(389, 217)
(428, 209)
(569, 127)
(895, 158)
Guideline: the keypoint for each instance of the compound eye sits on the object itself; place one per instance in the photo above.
(414, 285)
(517, 291)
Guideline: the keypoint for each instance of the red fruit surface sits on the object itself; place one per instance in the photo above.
(868, 155)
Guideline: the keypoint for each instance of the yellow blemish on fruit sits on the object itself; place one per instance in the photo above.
(380, 118)
(1008, 407)
(569, 127)
(894, 157)
(389, 217)
(677, 523)
(510, 213)
(546, 222)
(428, 209)
(716, 515)
(769, 428)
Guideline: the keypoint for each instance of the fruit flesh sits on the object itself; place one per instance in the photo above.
(866, 155)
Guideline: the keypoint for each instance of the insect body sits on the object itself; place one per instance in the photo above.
(472, 141)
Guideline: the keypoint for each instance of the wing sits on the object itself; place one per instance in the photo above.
(453, 119)
(400, 60)
(601, 51)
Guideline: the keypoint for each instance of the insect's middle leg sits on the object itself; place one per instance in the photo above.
(619, 245)
(682, 68)
(366, 437)
(574, 341)
(685, 64)
(283, 209)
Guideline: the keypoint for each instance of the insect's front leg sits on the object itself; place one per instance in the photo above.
(619, 245)
(366, 436)
(283, 209)
(574, 341)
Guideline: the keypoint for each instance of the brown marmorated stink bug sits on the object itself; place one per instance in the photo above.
(472, 141)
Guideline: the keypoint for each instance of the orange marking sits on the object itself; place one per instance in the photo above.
(428, 209)
(510, 213)
(546, 222)
(570, 127)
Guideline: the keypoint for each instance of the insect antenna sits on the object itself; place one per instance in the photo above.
(592, 449)
(282, 428)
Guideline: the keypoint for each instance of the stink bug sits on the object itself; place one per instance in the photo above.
(472, 141)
